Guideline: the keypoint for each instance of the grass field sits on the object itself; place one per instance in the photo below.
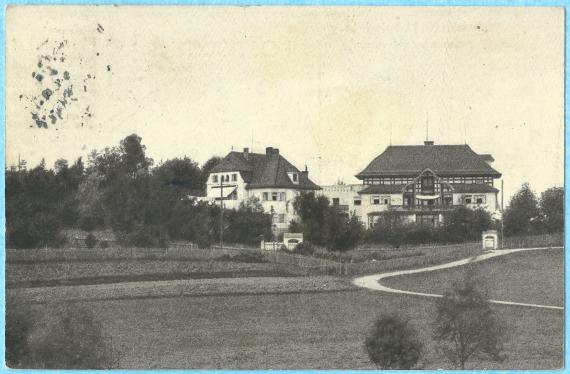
(296, 331)
(535, 277)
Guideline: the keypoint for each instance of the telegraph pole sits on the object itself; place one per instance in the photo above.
(502, 213)
(221, 211)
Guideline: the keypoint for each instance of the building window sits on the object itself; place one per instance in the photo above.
(375, 200)
(468, 199)
(357, 202)
(335, 201)
(215, 179)
(265, 196)
(480, 199)
(281, 218)
(234, 177)
(295, 177)
(275, 196)
(386, 200)
(283, 198)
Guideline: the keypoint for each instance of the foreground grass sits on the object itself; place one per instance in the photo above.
(535, 277)
(295, 331)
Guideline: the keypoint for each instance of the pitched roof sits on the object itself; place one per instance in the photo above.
(442, 159)
(264, 170)
(462, 188)
(383, 188)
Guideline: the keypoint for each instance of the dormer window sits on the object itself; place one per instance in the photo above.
(294, 177)
(215, 179)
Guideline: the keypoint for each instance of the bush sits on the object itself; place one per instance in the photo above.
(62, 337)
(392, 344)
(304, 248)
(146, 237)
(90, 241)
(35, 231)
(247, 257)
(104, 244)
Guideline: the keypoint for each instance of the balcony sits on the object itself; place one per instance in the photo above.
(421, 208)
(343, 208)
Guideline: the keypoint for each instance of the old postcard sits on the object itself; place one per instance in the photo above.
(270, 187)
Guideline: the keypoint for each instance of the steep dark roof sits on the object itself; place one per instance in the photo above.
(474, 188)
(442, 159)
(264, 171)
(383, 188)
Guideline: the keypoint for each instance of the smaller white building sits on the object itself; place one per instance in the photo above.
(268, 178)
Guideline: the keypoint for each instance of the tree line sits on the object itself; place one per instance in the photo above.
(119, 188)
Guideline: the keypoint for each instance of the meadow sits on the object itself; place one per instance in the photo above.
(296, 331)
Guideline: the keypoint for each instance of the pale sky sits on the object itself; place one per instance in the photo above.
(325, 85)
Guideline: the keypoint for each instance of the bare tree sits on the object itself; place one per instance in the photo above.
(466, 327)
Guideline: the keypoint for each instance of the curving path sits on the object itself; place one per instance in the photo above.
(373, 281)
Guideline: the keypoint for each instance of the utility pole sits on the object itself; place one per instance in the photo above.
(502, 213)
(221, 211)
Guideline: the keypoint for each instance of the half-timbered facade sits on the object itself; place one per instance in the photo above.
(420, 183)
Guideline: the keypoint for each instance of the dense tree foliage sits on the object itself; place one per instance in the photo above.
(522, 213)
(322, 224)
(460, 225)
(63, 337)
(526, 214)
(552, 209)
(393, 345)
(120, 190)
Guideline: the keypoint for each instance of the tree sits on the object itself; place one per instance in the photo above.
(133, 155)
(181, 174)
(466, 327)
(522, 214)
(392, 344)
(61, 337)
(552, 209)
(464, 224)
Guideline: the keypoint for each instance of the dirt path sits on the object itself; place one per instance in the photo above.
(373, 281)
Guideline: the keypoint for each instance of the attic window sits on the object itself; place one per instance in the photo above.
(215, 179)
(234, 177)
(294, 177)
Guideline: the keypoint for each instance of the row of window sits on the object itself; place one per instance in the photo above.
(274, 196)
(474, 199)
(405, 180)
(397, 180)
(224, 178)
(385, 200)
(469, 180)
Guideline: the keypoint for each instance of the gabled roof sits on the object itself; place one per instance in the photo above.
(442, 159)
(264, 170)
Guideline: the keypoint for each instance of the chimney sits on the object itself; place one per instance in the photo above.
(246, 153)
(306, 171)
(428, 142)
(271, 151)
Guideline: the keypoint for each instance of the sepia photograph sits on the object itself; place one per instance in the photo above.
(284, 187)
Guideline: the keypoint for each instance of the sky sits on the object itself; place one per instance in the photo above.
(330, 87)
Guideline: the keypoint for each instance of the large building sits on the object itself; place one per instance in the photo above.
(420, 183)
(268, 177)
